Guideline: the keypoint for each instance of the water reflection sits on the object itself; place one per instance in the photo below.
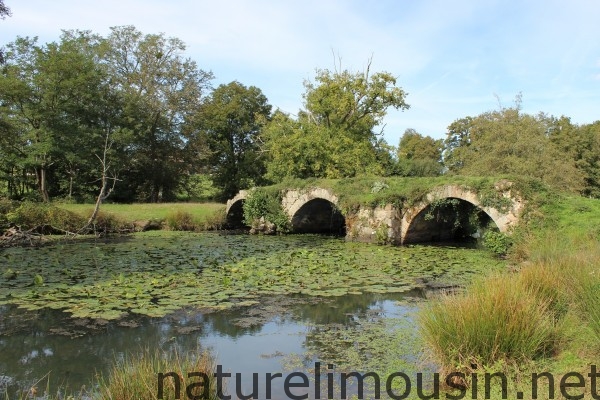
(244, 340)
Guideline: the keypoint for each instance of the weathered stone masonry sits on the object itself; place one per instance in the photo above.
(316, 210)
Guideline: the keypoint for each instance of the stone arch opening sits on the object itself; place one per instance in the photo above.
(319, 216)
(450, 219)
(235, 216)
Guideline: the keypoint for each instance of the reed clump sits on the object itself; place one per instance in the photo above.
(515, 318)
(137, 377)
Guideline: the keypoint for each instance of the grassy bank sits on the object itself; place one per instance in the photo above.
(147, 211)
(543, 317)
(65, 218)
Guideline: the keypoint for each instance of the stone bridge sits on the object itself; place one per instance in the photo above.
(316, 210)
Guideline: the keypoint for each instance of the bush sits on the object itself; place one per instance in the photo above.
(181, 221)
(496, 241)
(6, 206)
(108, 223)
(46, 218)
(215, 221)
(267, 204)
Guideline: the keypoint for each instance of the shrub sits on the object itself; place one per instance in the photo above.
(267, 204)
(181, 221)
(108, 223)
(215, 221)
(6, 206)
(45, 217)
(496, 241)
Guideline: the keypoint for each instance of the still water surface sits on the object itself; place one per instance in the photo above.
(262, 323)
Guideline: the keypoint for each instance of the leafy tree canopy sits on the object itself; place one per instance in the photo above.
(508, 141)
(334, 135)
(419, 155)
(231, 121)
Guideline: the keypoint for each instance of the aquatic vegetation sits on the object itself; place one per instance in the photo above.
(156, 273)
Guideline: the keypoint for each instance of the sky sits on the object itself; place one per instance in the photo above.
(454, 58)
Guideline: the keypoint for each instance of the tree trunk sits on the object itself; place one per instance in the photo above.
(40, 173)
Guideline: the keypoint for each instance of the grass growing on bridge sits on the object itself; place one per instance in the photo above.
(378, 191)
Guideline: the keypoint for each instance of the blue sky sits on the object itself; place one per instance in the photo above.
(454, 58)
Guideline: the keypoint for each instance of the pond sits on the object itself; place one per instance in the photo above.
(262, 304)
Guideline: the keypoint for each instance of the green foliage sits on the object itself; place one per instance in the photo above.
(161, 93)
(511, 142)
(6, 206)
(135, 376)
(378, 186)
(419, 155)
(60, 100)
(496, 241)
(265, 203)
(115, 217)
(109, 223)
(198, 188)
(333, 137)
(381, 234)
(181, 221)
(497, 319)
(465, 219)
(215, 220)
(352, 102)
(57, 102)
(231, 121)
(536, 313)
(45, 217)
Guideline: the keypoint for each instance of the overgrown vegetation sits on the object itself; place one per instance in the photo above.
(66, 218)
(505, 322)
(45, 218)
(135, 377)
(265, 203)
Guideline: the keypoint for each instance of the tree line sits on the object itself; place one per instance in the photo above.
(130, 108)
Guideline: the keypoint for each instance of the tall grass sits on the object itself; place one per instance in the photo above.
(518, 317)
(137, 377)
(497, 319)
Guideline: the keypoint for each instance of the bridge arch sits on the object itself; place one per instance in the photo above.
(414, 227)
(314, 211)
(234, 212)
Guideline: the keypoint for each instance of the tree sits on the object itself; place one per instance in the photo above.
(508, 142)
(419, 155)
(354, 103)
(582, 145)
(334, 135)
(231, 122)
(4, 12)
(162, 93)
(52, 102)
